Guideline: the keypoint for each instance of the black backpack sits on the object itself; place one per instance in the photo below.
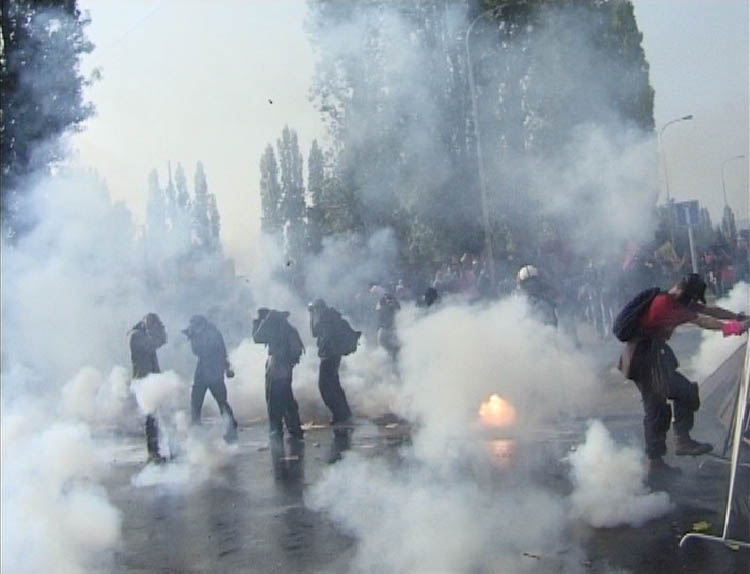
(344, 339)
(625, 326)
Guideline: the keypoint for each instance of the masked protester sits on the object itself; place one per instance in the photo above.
(649, 361)
(145, 338)
(542, 298)
(285, 349)
(207, 344)
(386, 310)
(335, 338)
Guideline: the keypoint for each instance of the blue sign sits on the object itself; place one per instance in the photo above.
(686, 213)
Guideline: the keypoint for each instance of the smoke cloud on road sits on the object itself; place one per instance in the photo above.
(609, 483)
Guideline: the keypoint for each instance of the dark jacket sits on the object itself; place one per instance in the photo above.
(208, 345)
(648, 361)
(283, 341)
(325, 331)
(143, 347)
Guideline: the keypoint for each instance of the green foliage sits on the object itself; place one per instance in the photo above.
(175, 225)
(316, 182)
(202, 233)
(270, 192)
(41, 89)
(392, 86)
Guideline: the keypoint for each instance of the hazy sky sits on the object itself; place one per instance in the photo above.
(187, 80)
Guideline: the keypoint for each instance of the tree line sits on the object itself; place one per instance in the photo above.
(392, 84)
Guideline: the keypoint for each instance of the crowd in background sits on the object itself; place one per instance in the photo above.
(581, 289)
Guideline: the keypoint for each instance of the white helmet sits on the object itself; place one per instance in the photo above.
(527, 272)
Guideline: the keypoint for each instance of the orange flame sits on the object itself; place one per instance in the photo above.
(497, 412)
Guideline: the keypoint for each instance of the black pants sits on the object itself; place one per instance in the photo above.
(658, 414)
(282, 407)
(219, 391)
(152, 436)
(331, 391)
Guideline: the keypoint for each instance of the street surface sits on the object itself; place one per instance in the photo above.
(250, 515)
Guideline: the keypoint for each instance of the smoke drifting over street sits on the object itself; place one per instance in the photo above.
(609, 483)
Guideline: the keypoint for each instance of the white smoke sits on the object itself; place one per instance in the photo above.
(416, 519)
(55, 516)
(608, 482)
(440, 510)
(157, 389)
(453, 359)
(714, 348)
(93, 398)
(196, 455)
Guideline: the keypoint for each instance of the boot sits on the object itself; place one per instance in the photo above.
(686, 446)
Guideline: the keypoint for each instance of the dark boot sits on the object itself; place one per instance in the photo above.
(686, 446)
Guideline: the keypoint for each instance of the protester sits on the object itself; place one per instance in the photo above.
(386, 310)
(144, 339)
(335, 338)
(285, 349)
(539, 293)
(207, 344)
(646, 324)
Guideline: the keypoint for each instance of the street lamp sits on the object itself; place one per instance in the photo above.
(480, 156)
(666, 174)
(723, 183)
(661, 147)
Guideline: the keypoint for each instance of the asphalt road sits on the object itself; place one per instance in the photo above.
(249, 514)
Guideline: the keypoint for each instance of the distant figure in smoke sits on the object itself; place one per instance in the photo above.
(429, 297)
(646, 324)
(145, 338)
(386, 310)
(335, 338)
(207, 344)
(540, 294)
(285, 349)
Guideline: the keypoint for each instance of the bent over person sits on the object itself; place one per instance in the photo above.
(650, 362)
(284, 351)
(207, 344)
(145, 338)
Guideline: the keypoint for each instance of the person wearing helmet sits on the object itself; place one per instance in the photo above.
(144, 339)
(207, 344)
(539, 294)
(651, 364)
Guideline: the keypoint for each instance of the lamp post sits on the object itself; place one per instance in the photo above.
(666, 173)
(480, 156)
(723, 183)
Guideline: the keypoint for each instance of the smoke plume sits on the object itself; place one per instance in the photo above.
(609, 483)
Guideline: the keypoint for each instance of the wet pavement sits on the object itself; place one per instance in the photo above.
(250, 514)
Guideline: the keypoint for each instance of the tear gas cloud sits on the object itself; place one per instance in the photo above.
(446, 507)
(715, 349)
(79, 280)
(156, 389)
(55, 517)
(609, 483)
(601, 181)
(594, 171)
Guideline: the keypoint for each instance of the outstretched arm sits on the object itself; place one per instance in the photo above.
(708, 322)
(718, 312)
(731, 327)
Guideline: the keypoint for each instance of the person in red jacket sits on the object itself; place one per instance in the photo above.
(650, 362)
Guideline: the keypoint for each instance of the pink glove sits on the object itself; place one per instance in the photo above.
(732, 328)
